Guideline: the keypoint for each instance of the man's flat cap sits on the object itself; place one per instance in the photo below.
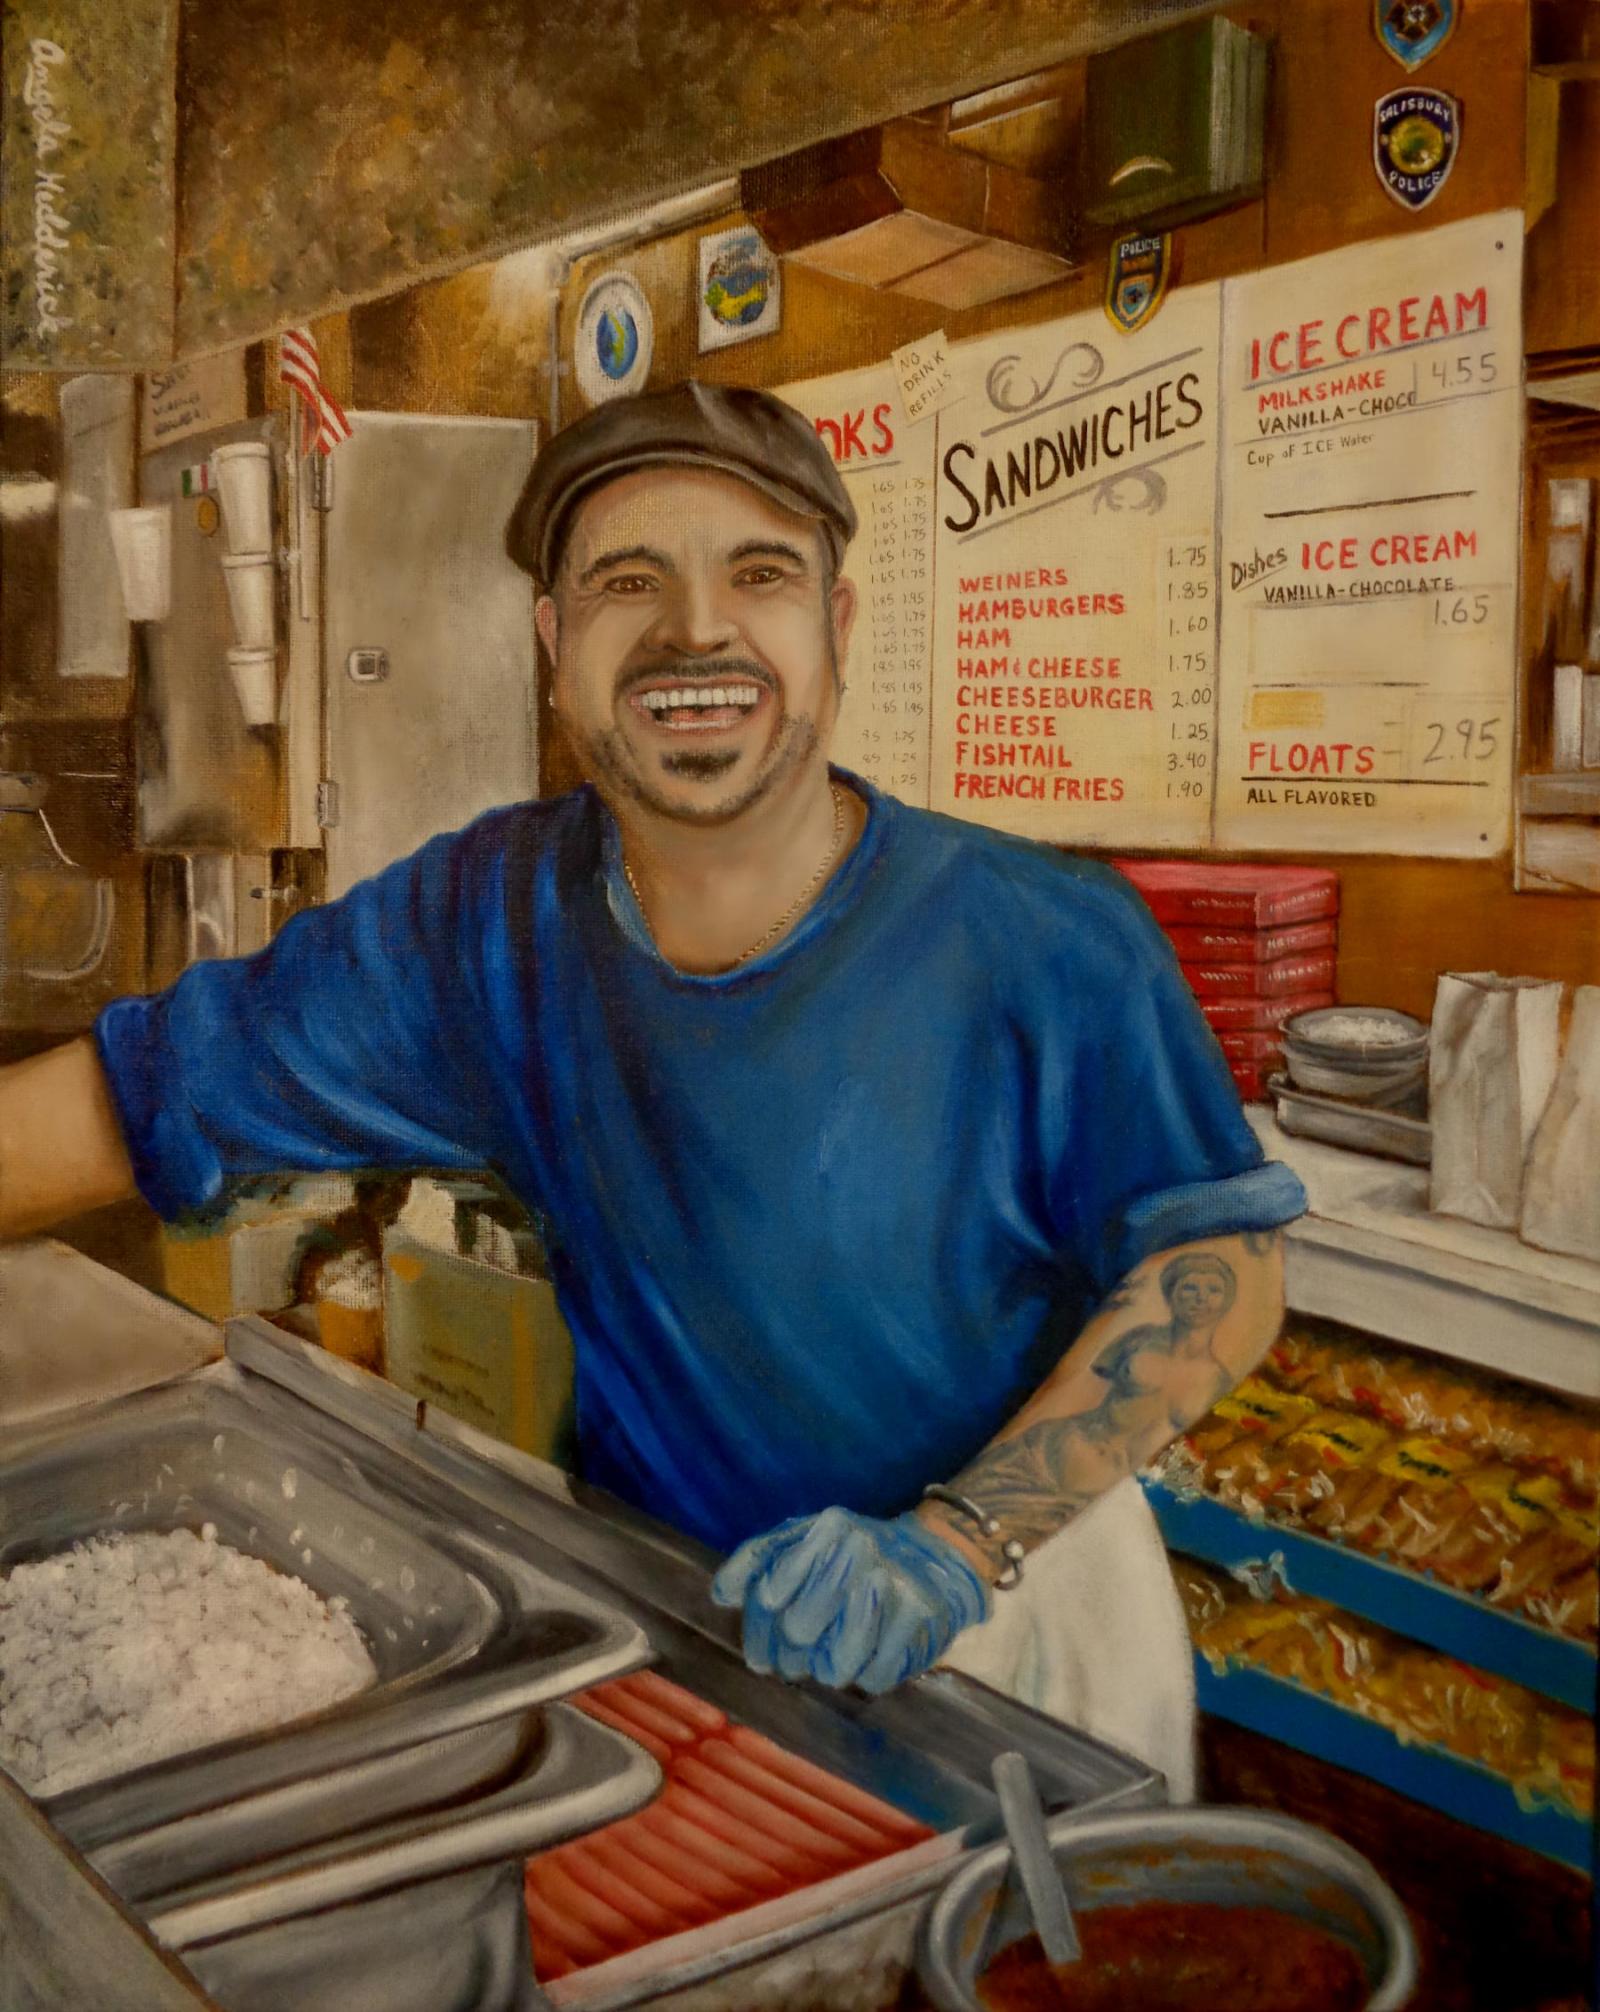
(748, 434)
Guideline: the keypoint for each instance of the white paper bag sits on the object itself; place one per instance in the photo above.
(1491, 1063)
(1561, 1194)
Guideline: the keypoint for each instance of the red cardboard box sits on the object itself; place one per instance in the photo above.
(1256, 1014)
(1262, 981)
(1251, 1078)
(1242, 1045)
(1196, 943)
(1241, 895)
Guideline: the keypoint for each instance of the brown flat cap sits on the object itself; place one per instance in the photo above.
(748, 434)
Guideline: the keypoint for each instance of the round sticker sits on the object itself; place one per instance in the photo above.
(207, 516)
(614, 340)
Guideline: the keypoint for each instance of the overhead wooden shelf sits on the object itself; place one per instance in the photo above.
(1566, 39)
(903, 209)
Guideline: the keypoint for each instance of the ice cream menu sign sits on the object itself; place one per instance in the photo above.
(1246, 577)
(1370, 539)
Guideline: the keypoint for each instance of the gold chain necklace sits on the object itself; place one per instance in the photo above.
(789, 914)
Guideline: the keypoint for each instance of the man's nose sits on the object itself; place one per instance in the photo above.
(694, 619)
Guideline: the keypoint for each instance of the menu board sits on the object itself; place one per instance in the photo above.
(888, 468)
(1246, 577)
(1370, 543)
(1073, 692)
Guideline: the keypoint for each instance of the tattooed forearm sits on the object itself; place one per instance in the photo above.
(1039, 1480)
(1142, 1382)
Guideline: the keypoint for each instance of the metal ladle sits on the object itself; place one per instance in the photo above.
(1035, 1861)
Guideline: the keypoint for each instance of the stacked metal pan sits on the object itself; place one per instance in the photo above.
(407, 1806)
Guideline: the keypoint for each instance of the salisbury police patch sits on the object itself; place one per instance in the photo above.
(1413, 30)
(1414, 138)
(1136, 279)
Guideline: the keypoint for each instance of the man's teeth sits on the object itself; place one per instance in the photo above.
(700, 695)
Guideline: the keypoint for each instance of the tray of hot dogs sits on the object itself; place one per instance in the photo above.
(739, 1822)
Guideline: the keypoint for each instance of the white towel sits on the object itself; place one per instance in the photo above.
(1095, 1636)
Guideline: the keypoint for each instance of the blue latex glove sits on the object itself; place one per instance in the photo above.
(850, 1599)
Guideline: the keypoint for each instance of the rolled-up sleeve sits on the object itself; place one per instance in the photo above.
(1158, 1151)
(348, 1042)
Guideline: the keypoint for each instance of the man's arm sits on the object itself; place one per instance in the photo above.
(1156, 1356)
(61, 1149)
(850, 1599)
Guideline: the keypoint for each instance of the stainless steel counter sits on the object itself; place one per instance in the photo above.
(489, 1511)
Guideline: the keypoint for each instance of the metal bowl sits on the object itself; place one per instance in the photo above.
(1329, 1066)
(1218, 1857)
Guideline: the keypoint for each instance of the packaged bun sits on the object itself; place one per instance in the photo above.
(1414, 1393)
(1571, 1606)
(1308, 1463)
(1419, 1695)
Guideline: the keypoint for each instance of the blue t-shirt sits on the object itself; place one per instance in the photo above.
(817, 1224)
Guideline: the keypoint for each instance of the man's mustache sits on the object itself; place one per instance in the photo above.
(694, 670)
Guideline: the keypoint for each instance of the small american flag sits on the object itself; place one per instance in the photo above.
(322, 421)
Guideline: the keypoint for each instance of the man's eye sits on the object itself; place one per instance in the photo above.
(760, 576)
(629, 583)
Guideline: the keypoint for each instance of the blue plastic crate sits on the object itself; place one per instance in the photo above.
(1316, 1725)
(1409, 1603)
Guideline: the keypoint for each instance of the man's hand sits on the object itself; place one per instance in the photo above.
(850, 1599)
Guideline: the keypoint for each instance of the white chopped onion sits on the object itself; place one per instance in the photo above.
(1360, 1030)
(130, 1648)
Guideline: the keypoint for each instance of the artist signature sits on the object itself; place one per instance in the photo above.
(50, 221)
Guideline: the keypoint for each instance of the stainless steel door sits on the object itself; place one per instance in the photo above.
(429, 646)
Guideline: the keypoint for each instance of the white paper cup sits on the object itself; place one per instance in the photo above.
(244, 482)
(250, 592)
(255, 680)
(142, 541)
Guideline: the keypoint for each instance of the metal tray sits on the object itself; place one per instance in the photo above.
(452, 1945)
(462, 1630)
(1361, 1127)
(583, 1775)
(237, 1835)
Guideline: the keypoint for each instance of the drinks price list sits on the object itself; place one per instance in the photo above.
(888, 468)
(1221, 581)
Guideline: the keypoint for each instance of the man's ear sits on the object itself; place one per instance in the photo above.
(842, 605)
(545, 621)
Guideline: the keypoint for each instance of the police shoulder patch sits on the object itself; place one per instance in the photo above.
(1136, 279)
(1414, 30)
(1415, 134)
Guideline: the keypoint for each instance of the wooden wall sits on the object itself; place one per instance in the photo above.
(480, 343)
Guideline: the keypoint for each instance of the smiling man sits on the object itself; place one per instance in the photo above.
(897, 1196)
